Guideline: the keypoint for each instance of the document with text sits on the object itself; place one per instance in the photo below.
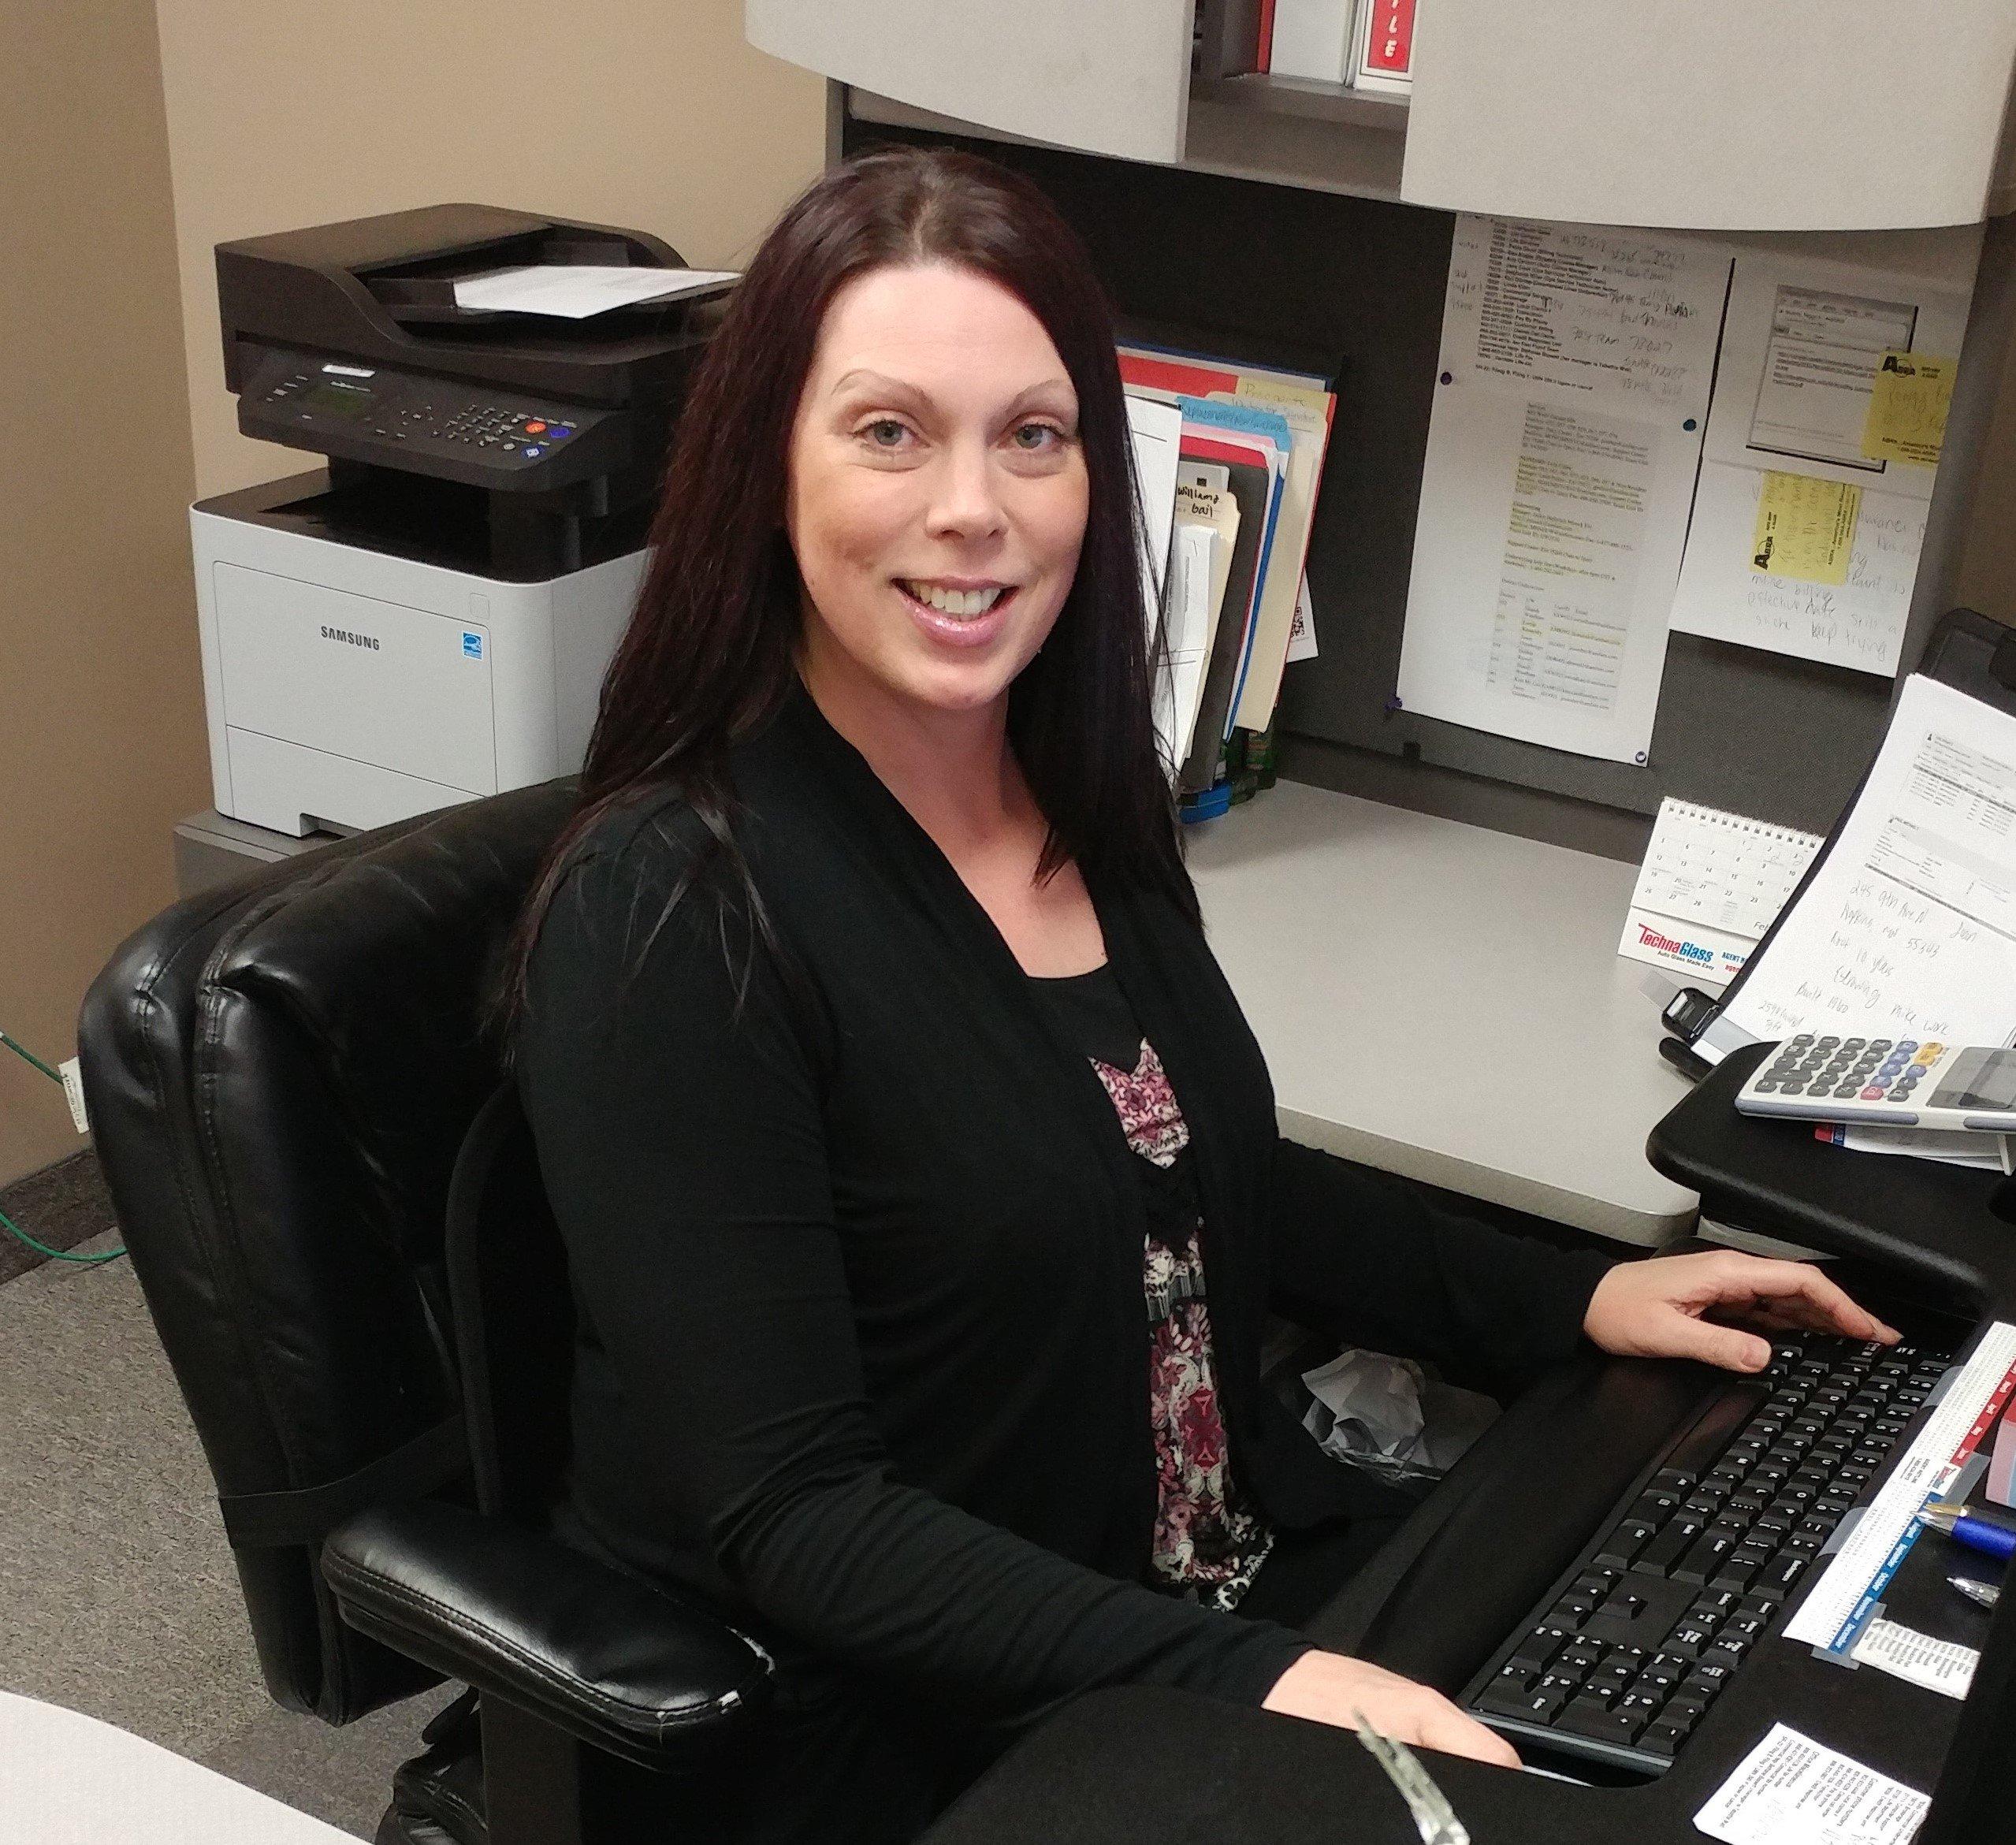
(1909, 926)
(1573, 384)
(1825, 360)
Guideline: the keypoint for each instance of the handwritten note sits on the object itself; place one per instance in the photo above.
(1909, 928)
(1856, 620)
(1907, 408)
(1805, 528)
(1584, 308)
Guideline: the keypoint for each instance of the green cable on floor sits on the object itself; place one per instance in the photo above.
(13, 1229)
(7, 1223)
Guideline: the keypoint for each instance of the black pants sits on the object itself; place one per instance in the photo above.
(840, 1762)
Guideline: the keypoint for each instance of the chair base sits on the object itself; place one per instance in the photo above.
(438, 1796)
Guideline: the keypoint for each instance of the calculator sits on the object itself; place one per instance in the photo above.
(1886, 1082)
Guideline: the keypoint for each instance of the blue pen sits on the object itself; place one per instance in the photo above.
(1989, 1536)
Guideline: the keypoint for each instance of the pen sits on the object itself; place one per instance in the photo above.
(1986, 1593)
(1963, 1526)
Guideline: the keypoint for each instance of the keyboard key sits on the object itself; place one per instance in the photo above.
(1507, 1695)
(1704, 1556)
(1536, 1652)
(1625, 1543)
(1662, 1671)
(1689, 1641)
(1590, 1717)
(1782, 1576)
(1664, 1738)
(1672, 1543)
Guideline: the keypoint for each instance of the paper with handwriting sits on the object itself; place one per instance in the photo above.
(1909, 927)
(1810, 321)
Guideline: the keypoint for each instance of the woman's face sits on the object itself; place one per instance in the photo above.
(937, 489)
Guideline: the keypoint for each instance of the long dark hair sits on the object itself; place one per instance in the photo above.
(709, 655)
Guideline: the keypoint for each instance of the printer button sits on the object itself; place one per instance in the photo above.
(534, 452)
(535, 428)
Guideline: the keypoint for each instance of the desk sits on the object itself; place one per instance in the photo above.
(66, 1779)
(1351, 930)
(1140, 1765)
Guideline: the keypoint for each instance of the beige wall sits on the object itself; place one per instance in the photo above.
(651, 114)
(101, 701)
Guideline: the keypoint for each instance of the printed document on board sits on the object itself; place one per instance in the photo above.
(1572, 387)
(1909, 927)
(1829, 407)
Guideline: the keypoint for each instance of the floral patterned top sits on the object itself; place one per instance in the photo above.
(1209, 1542)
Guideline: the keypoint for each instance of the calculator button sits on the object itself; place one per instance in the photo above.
(1792, 1089)
(1827, 1043)
(1872, 1095)
(1879, 1044)
(1765, 1086)
(1853, 1044)
(1847, 1092)
(1800, 1038)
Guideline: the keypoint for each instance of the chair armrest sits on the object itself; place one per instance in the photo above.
(528, 1620)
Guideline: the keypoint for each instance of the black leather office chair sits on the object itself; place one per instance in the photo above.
(334, 1211)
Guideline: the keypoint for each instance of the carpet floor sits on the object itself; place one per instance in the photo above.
(117, 1594)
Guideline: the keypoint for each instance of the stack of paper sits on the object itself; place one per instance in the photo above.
(1250, 443)
(576, 291)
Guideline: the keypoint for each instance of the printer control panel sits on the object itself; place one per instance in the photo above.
(462, 431)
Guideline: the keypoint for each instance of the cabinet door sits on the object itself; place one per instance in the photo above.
(1111, 76)
(1768, 115)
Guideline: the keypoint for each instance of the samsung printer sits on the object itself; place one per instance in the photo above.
(427, 617)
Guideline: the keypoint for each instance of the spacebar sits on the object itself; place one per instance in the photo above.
(1716, 1428)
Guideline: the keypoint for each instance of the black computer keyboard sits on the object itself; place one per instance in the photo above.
(1636, 1641)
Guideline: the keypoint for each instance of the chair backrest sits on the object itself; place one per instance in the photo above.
(514, 1315)
(281, 1074)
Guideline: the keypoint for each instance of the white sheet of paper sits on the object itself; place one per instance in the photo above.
(1859, 624)
(1938, 1665)
(1792, 1790)
(1302, 636)
(1909, 926)
(1807, 325)
(575, 291)
(1179, 687)
(1555, 492)
(1156, 429)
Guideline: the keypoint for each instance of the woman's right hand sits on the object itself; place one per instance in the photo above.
(1329, 1688)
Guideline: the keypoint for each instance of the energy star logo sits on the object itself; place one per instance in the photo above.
(350, 638)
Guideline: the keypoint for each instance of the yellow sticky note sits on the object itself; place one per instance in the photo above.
(1907, 405)
(1805, 528)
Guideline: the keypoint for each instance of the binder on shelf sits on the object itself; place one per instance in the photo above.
(1291, 413)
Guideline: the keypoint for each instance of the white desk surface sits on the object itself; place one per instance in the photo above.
(1446, 1002)
(66, 1779)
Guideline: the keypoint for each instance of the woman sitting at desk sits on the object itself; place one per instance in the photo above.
(880, 1069)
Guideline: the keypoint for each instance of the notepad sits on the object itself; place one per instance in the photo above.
(1711, 884)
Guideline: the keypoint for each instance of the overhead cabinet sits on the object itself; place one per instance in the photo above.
(1774, 115)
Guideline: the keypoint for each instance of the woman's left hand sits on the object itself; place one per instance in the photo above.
(1659, 1308)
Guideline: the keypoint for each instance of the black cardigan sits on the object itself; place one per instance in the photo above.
(858, 1263)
